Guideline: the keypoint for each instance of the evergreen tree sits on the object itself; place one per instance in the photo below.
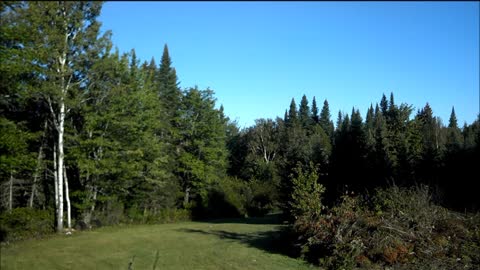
(15, 157)
(306, 198)
(454, 136)
(382, 163)
(315, 116)
(292, 113)
(169, 92)
(391, 104)
(370, 127)
(339, 122)
(325, 121)
(384, 105)
(428, 166)
(319, 149)
(304, 112)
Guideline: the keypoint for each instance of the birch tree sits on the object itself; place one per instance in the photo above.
(58, 42)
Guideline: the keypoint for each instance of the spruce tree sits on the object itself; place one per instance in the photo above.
(384, 105)
(370, 126)
(325, 121)
(339, 121)
(169, 92)
(292, 113)
(304, 112)
(452, 123)
(315, 116)
(454, 137)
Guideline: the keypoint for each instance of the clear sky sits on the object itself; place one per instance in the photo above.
(256, 56)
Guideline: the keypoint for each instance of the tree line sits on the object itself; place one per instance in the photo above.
(393, 145)
(87, 129)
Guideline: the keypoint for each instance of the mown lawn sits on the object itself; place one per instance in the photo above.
(220, 244)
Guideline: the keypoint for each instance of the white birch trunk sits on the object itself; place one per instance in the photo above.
(55, 176)
(10, 195)
(186, 198)
(89, 213)
(61, 122)
(67, 198)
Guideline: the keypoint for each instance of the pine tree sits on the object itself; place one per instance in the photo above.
(169, 92)
(391, 104)
(339, 121)
(428, 166)
(414, 147)
(384, 105)
(454, 136)
(452, 123)
(292, 114)
(304, 112)
(370, 127)
(325, 121)
(315, 116)
(382, 163)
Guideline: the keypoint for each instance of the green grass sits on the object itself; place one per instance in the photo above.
(220, 244)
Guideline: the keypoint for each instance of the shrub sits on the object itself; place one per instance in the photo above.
(110, 211)
(263, 196)
(226, 198)
(398, 227)
(22, 223)
(307, 193)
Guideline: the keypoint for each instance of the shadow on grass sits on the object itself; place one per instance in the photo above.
(275, 241)
(271, 219)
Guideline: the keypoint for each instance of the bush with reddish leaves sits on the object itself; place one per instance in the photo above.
(399, 228)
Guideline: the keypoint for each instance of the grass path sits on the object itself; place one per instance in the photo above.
(222, 244)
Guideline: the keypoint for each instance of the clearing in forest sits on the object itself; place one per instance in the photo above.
(220, 244)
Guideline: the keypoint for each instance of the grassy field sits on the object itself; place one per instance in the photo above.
(220, 244)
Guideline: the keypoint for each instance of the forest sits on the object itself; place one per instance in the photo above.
(90, 136)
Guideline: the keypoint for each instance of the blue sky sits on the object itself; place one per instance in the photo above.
(256, 56)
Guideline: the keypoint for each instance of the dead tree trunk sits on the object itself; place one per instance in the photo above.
(37, 169)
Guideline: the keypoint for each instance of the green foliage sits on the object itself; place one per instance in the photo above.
(111, 211)
(226, 198)
(307, 193)
(292, 118)
(304, 113)
(14, 148)
(325, 121)
(315, 116)
(23, 223)
(203, 154)
(263, 197)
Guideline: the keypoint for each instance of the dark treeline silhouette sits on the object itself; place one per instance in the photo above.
(393, 145)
